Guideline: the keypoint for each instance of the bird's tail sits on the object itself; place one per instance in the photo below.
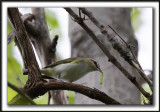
(25, 71)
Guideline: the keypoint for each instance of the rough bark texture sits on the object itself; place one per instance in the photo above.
(44, 47)
(115, 84)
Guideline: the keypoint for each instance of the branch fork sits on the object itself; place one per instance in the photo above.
(24, 31)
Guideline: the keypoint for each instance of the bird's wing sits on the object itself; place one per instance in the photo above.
(69, 60)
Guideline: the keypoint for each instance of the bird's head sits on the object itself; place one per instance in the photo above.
(91, 64)
(94, 65)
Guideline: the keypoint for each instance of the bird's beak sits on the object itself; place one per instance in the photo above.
(99, 70)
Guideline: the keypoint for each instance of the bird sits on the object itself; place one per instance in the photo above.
(70, 69)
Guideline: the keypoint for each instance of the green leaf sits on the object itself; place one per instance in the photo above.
(11, 94)
(42, 99)
(51, 19)
(135, 18)
(52, 23)
(19, 100)
(14, 72)
(71, 97)
(22, 98)
(147, 89)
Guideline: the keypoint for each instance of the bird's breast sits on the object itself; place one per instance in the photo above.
(71, 71)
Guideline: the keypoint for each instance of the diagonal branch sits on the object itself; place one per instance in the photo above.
(106, 52)
(25, 47)
(24, 43)
(139, 69)
(123, 54)
(36, 86)
(21, 93)
(39, 35)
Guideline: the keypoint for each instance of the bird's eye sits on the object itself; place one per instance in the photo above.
(96, 64)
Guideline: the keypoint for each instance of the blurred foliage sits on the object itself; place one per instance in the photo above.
(20, 100)
(14, 68)
(136, 23)
(14, 73)
(9, 27)
(146, 88)
(135, 18)
(52, 23)
(71, 97)
(42, 99)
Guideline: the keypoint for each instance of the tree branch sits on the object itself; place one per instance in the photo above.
(121, 48)
(92, 93)
(26, 19)
(10, 37)
(21, 93)
(25, 47)
(36, 86)
(45, 48)
(106, 52)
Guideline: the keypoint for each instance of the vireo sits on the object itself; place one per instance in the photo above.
(70, 69)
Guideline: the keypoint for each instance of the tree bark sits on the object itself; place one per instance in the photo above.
(44, 47)
(115, 84)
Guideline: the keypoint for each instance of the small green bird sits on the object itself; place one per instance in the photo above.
(70, 69)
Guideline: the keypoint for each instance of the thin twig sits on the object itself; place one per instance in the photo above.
(128, 46)
(135, 57)
(21, 93)
(119, 36)
(124, 53)
(107, 53)
(24, 44)
(144, 76)
(40, 88)
(105, 32)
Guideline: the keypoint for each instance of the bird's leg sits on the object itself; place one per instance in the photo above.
(47, 77)
(59, 77)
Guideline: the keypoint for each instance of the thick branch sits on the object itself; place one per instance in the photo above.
(40, 37)
(106, 52)
(44, 47)
(92, 93)
(24, 44)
